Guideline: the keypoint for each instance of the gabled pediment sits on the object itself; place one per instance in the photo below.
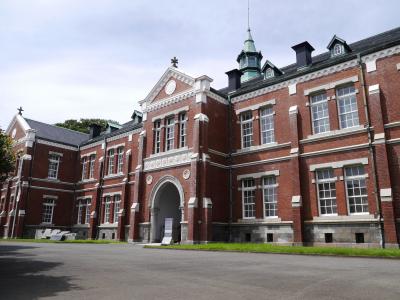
(171, 83)
(17, 127)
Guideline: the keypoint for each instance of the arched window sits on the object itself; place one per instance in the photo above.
(269, 73)
(337, 49)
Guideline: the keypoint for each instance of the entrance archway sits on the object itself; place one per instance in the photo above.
(167, 202)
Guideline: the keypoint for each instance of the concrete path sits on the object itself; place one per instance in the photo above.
(85, 271)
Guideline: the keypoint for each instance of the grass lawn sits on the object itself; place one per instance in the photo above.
(268, 248)
(63, 242)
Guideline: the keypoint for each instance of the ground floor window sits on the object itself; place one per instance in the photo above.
(48, 210)
(326, 185)
(248, 194)
(356, 190)
(270, 196)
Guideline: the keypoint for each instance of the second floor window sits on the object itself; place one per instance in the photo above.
(326, 187)
(169, 134)
(267, 125)
(91, 166)
(157, 136)
(249, 198)
(347, 107)
(182, 130)
(54, 164)
(84, 167)
(120, 161)
(319, 113)
(110, 169)
(246, 121)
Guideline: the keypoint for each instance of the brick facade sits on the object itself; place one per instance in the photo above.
(188, 159)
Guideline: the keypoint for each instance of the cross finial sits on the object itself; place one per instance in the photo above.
(174, 62)
(20, 110)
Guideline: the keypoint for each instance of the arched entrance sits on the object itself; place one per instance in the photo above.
(167, 202)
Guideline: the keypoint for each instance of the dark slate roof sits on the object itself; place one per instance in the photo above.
(363, 47)
(57, 134)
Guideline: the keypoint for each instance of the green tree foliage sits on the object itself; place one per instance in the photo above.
(82, 125)
(7, 156)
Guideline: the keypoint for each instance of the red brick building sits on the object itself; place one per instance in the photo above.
(305, 154)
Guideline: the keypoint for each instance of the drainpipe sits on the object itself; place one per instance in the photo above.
(371, 149)
(17, 195)
(230, 169)
(101, 181)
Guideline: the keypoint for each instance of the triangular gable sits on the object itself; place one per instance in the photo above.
(17, 121)
(183, 81)
(336, 39)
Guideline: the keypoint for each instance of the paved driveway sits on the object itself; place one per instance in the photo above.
(79, 271)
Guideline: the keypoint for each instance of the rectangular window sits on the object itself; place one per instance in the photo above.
(80, 212)
(249, 195)
(319, 113)
(48, 210)
(11, 204)
(83, 211)
(182, 130)
(120, 162)
(87, 214)
(246, 121)
(54, 163)
(347, 107)
(356, 189)
(117, 204)
(84, 167)
(91, 165)
(2, 204)
(110, 169)
(270, 196)
(107, 209)
(169, 134)
(326, 186)
(157, 136)
(267, 125)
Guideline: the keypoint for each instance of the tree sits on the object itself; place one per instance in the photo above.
(7, 156)
(82, 125)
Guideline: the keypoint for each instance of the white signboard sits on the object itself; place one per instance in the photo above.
(167, 240)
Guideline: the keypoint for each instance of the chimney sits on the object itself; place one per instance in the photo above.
(303, 54)
(95, 130)
(234, 79)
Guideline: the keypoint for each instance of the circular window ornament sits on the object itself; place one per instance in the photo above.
(186, 174)
(149, 179)
(13, 133)
(170, 87)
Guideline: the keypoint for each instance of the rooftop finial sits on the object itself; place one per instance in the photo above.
(20, 110)
(248, 15)
(174, 62)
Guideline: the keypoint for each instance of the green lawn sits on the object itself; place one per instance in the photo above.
(268, 248)
(65, 242)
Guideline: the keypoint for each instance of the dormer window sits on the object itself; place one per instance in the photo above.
(337, 50)
(269, 73)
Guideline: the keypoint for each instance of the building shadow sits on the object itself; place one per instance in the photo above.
(22, 277)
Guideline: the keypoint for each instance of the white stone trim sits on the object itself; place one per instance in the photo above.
(255, 106)
(334, 150)
(216, 97)
(258, 175)
(340, 164)
(398, 67)
(392, 124)
(373, 89)
(386, 195)
(18, 118)
(292, 89)
(333, 134)
(296, 201)
(50, 189)
(122, 135)
(216, 152)
(91, 145)
(170, 113)
(381, 54)
(370, 65)
(331, 85)
(258, 148)
(58, 145)
(135, 207)
(111, 194)
(393, 141)
(214, 164)
(207, 203)
(52, 181)
(293, 110)
(56, 153)
(202, 117)
(115, 146)
(112, 185)
(84, 197)
(343, 219)
(171, 100)
(88, 154)
(50, 197)
(192, 202)
(264, 161)
(168, 159)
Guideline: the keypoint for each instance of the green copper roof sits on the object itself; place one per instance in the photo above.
(249, 43)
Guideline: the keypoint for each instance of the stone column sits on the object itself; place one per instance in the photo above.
(382, 168)
(256, 128)
(295, 178)
(124, 197)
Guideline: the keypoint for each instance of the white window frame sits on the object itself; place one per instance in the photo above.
(270, 196)
(48, 210)
(246, 125)
(54, 165)
(110, 165)
(182, 129)
(267, 119)
(92, 160)
(157, 136)
(269, 73)
(169, 133)
(338, 49)
(84, 167)
(249, 192)
(107, 209)
(353, 178)
(326, 181)
(117, 206)
(351, 96)
(120, 159)
(318, 103)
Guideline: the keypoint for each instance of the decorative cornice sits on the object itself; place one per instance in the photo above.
(58, 145)
(88, 146)
(381, 54)
(169, 101)
(167, 160)
(216, 97)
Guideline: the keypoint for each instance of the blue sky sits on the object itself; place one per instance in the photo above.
(82, 59)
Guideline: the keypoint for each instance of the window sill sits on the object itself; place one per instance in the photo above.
(173, 151)
(113, 176)
(262, 147)
(81, 226)
(46, 224)
(265, 221)
(333, 134)
(360, 218)
(109, 225)
(90, 180)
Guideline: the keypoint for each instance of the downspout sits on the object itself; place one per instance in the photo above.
(17, 195)
(371, 149)
(101, 181)
(230, 169)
